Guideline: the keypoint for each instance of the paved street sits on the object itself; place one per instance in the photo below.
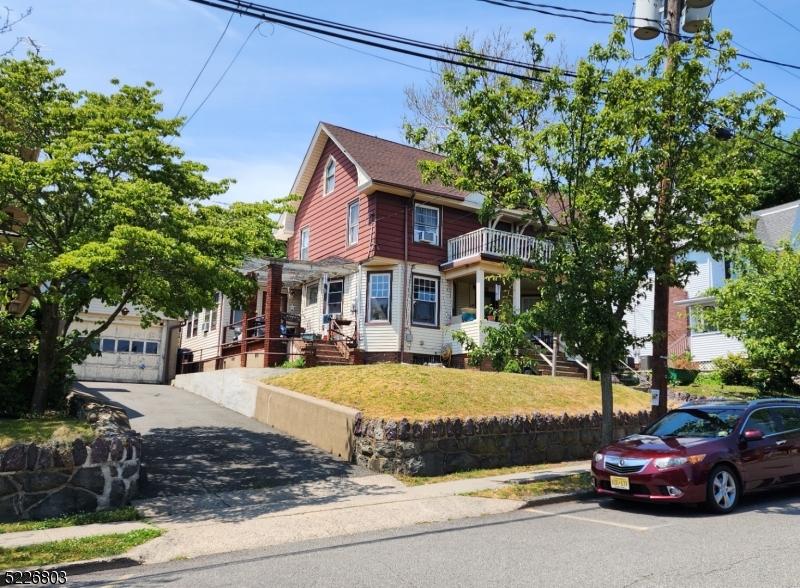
(193, 446)
(592, 543)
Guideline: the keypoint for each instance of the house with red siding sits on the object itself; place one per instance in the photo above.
(381, 266)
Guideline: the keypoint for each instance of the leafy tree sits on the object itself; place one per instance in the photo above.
(585, 160)
(779, 163)
(761, 307)
(114, 211)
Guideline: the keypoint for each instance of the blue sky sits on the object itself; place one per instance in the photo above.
(257, 125)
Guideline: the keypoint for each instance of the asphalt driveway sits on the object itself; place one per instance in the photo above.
(193, 446)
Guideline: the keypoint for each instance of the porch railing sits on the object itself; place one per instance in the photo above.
(499, 243)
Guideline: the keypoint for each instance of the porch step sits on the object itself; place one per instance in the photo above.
(327, 353)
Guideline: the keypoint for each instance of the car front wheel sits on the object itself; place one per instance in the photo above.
(724, 490)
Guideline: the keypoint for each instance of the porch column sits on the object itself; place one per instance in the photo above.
(274, 348)
(516, 296)
(479, 294)
(555, 354)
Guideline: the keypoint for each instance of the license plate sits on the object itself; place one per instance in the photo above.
(620, 483)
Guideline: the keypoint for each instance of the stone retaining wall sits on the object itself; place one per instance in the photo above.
(56, 478)
(431, 448)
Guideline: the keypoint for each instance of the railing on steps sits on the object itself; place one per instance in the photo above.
(679, 346)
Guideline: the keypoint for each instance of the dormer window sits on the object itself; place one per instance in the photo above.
(330, 176)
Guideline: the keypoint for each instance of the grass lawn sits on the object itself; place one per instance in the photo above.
(394, 391)
(420, 480)
(39, 430)
(572, 483)
(127, 513)
(74, 549)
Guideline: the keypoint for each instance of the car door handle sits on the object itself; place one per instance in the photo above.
(779, 443)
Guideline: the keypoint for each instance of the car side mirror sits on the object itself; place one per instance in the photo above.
(753, 435)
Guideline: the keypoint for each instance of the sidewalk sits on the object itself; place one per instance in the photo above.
(221, 522)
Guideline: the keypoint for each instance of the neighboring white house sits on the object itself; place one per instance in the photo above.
(128, 352)
(773, 226)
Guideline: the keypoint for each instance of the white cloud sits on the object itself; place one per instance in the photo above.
(255, 180)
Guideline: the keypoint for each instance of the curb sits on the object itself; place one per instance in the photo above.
(557, 498)
(83, 567)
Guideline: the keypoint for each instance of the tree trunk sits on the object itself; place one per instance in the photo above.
(608, 405)
(660, 344)
(48, 349)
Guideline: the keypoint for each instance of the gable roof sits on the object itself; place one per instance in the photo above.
(389, 162)
(377, 161)
(778, 223)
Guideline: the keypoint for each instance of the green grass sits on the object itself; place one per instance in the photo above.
(127, 513)
(485, 473)
(42, 429)
(395, 391)
(572, 483)
(69, 550)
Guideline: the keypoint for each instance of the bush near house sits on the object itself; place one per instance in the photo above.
(734, 369)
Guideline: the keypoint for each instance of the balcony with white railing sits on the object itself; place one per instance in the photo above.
(497, 243)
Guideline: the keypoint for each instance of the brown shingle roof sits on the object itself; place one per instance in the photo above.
(388, 162)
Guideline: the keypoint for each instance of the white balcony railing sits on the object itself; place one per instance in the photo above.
(499, 243)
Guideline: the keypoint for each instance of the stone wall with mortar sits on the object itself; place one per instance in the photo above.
(57, 478)
(443, 446)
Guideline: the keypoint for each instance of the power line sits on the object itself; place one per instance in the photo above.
(745, 78)
(776, 15)
(528, 6)
(202, 69)
(785, 70)
(268, 14)
(222, 76)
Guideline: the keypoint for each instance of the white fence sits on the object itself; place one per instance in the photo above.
(500, 243)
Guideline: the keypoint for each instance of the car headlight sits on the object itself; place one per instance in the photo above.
(598, 457)
(663, 463)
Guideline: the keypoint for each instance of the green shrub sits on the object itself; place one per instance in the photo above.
(708, 379)
(512, 367)
(734, 369)
(298, 362)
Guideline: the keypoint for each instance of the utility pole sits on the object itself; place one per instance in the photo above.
(661, 283)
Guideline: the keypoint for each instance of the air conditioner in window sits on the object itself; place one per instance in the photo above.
(205, 327)
(426, 237)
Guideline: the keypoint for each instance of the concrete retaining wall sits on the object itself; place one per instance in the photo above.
(233, 388)
(327, 425)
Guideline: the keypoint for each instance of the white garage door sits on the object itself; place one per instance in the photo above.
(129, 353)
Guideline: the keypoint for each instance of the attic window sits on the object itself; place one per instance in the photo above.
(330, 176)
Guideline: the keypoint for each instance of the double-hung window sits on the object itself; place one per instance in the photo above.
(352, 223)
(699, 321)
(380, 296)
(425, 301)
(333, 299)
(312, 291)
(426, 224)
(305, 237)
(330, 176)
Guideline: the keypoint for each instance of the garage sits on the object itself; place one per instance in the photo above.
(126, 351)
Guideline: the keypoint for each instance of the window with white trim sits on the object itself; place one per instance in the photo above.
(380, 295)
(699, 321)
(334, 296)
(425, 301)
(426, 224)
(352, 223)
(330, 176)
(305, 237)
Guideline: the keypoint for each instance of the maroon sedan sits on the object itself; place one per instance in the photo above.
(710, 452)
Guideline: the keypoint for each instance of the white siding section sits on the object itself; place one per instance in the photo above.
(381, 336)
(471, 328)
(703, 280)
(205, 344)
(640, 323)
(708, 346)
(428, 341)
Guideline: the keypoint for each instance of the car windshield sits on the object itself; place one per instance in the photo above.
(695, 422)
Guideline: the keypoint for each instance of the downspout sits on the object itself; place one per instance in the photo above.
(405, 279)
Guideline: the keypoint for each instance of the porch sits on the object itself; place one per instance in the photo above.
(495, 244)
(479, 292)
